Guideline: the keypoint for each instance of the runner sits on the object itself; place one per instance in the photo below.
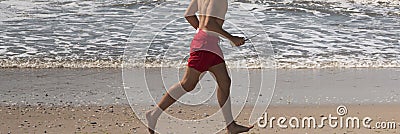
(205, 55)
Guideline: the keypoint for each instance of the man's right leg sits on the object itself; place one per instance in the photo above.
(187, 84)
(223, 95)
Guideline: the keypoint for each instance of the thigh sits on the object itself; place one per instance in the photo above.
(190, 78)
(221, 75)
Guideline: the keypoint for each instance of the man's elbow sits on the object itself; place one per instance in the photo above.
(188, 17)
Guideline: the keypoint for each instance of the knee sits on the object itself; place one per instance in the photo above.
(229, 80)
(188, 85)
(225, 84)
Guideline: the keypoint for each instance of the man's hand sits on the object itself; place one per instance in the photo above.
(237, 41)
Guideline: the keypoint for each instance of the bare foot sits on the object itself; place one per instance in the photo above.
(236, 129)
(151, 121)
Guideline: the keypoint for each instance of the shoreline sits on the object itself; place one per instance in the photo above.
(61, 86)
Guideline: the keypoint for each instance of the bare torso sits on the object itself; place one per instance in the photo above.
(211, 15)
(203, 19)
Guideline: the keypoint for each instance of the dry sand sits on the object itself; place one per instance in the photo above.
(120, 119)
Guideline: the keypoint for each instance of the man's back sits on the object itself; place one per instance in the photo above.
(213, 8)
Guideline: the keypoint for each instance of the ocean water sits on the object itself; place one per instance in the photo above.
(152, 33)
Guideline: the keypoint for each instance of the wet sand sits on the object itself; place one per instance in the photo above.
(93, 100)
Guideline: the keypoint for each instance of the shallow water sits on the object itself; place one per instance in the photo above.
(302, 33)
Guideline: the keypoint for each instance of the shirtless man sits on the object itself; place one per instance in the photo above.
(205, 55)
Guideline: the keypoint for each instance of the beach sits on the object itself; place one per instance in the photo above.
(120, 119)
(94, 101)
(97, 66)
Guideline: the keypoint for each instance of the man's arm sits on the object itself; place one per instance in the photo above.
(212, 25)
(190, 14)
(193, 20)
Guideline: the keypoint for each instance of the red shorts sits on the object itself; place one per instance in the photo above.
(203, 60)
